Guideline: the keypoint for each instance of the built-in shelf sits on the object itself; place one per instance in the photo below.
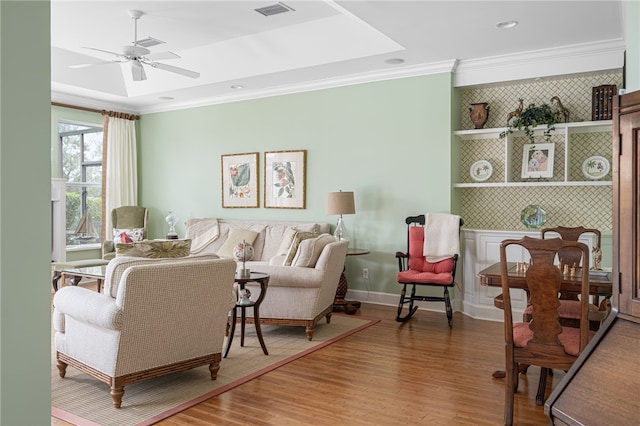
(516, 184)
(511, 155)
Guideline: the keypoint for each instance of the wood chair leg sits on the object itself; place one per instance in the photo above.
(62, 368)
(116, 395)
(542, 385)
(447, 304)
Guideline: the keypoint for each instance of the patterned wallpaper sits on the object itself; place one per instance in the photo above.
(574, 93)
(500, 207)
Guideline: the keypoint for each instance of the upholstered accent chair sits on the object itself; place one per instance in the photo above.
(155, 317)
(132, 220)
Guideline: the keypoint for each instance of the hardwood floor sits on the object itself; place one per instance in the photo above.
(420, 372)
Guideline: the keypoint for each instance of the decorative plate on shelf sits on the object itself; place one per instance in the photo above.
(533, 216)
(481, 170)
(595, 167)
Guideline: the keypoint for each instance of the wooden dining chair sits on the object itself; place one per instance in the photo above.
(569, 305)
(543, 341)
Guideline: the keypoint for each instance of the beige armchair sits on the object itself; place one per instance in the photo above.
(165, 316)
(125, 217)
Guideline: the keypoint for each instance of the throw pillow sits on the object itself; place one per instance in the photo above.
(236, 236)
(130, 235)
(155, 249)
(299, 237)
(287, 238)
(310, 249)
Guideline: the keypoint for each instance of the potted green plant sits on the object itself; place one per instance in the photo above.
(533, 116)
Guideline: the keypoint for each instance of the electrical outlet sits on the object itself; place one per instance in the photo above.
(365, 273)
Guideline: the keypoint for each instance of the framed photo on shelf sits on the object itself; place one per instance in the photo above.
(537, 160)
(284, 179)
(240, 180)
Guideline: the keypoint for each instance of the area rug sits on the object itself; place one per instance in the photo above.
(82, 400)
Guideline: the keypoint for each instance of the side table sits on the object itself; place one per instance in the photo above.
(339, 304)
(77, 274)
(262, 279)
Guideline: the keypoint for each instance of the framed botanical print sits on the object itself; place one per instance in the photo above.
(284, 179)
(240, 180)
(537, 160)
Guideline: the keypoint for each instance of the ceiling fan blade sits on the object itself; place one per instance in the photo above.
(95, 64)
(171, 68)
(137, 71)
(106, 51)
(159, 56)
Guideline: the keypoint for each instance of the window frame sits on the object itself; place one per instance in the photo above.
(82, 185)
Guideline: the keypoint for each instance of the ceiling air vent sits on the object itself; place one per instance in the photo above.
(274, 9)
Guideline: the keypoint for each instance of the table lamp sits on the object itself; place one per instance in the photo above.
(340, 203)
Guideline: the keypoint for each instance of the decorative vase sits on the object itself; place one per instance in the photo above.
(479, 114)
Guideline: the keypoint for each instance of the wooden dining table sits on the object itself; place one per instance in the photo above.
(600, 287)
(600, 284)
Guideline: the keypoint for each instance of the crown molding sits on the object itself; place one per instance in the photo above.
(85, 102)
(322, 84)
(575, 59)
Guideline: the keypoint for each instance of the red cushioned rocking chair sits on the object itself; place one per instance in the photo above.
(415, 270)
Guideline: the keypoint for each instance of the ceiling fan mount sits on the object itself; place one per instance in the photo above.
(138, 54)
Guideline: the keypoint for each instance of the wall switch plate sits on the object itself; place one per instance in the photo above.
(365, 273)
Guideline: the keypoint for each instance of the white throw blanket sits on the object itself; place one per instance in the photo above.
(441, 236)
(202, 232)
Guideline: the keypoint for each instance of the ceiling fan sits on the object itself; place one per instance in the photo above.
(138, 55)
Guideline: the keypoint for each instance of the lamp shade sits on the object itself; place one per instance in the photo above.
(340, 203)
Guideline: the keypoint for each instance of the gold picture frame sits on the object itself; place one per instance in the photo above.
(285, 179)
(240, 180)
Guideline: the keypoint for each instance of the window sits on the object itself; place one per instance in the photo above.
(81, 164)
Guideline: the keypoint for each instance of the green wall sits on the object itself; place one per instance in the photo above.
(25, 214)
(632, 40)
(389, 142)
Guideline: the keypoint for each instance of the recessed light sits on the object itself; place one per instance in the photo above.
(166, 98)
(237, 86)
(394, 61)
(506, 24)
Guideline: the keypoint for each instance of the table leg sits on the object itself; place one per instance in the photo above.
(99, 282)
(54, 281)
(231, 331)
(243, 320)
(341, 305)
(256, 320)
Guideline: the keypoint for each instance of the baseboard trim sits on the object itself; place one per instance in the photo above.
(481, 312)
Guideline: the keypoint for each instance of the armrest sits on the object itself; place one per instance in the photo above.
(107, 246)
(88, 306)
(403, 258)
(291, 276)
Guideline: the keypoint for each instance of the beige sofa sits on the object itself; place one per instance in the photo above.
(302, 288)
(155, 317)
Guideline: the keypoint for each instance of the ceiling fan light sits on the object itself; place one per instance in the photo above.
(506, 24)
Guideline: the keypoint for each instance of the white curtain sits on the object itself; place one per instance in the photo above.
(121, 183)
